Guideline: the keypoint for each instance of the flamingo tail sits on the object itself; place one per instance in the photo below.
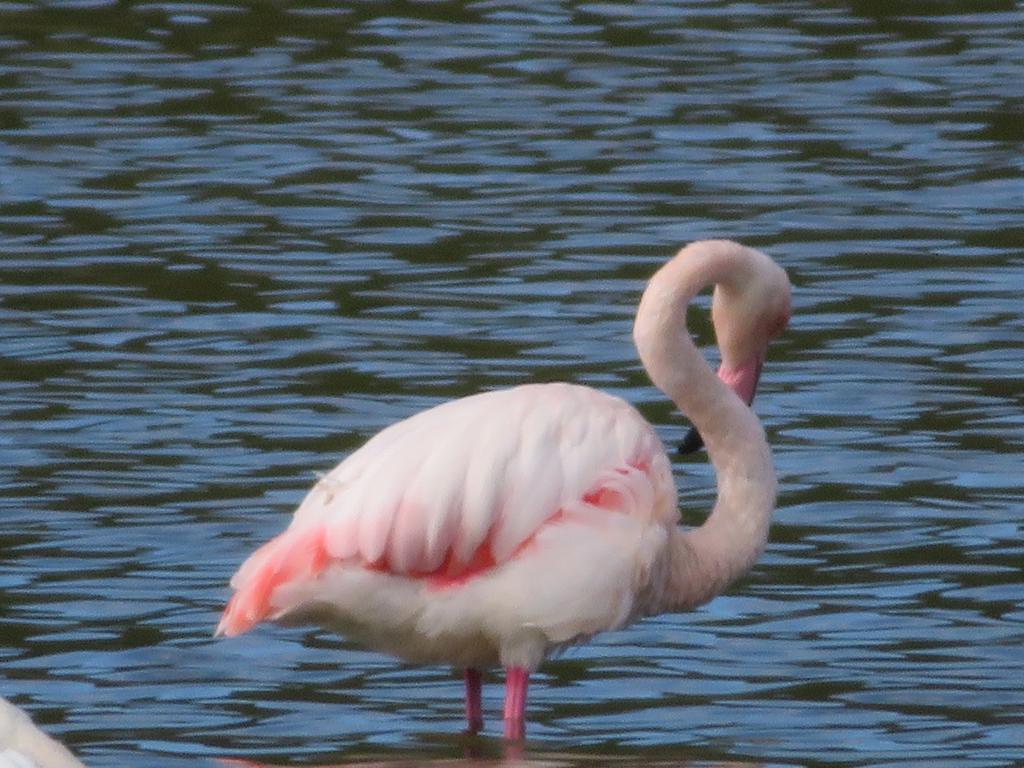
(290, 556)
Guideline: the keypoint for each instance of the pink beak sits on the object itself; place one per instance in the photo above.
(743, 381)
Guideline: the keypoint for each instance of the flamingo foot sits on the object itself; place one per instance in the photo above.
(516, 681)
(474, 711)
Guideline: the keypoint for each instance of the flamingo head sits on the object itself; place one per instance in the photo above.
(748, 311)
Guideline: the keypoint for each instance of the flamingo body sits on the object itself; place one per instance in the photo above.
(469, 533)
(499, 527)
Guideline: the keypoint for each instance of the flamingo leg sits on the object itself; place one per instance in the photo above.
(474, 712)
(516, 681)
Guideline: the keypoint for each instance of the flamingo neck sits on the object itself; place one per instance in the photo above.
(705, 560)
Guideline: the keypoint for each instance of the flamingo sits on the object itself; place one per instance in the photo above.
(503, 526)
(23, 745)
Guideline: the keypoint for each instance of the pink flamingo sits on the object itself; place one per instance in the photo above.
(497, 528)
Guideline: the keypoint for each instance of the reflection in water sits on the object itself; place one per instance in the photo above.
(238, 239)
(513, 760)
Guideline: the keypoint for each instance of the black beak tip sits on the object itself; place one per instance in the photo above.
(692, 443)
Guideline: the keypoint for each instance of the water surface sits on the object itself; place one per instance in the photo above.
(237, 240)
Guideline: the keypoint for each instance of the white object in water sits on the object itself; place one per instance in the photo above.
(23, 745)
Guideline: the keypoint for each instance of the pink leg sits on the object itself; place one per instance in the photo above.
(516, 681)
(474, 712)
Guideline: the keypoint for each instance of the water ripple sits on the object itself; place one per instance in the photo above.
(239, 239)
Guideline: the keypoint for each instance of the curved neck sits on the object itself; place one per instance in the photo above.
(705, 560)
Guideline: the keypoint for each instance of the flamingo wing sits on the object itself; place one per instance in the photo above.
(460, 488)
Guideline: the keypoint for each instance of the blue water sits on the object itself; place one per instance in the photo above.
(238, 239)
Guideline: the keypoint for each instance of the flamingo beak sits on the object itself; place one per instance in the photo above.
(741, 380)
